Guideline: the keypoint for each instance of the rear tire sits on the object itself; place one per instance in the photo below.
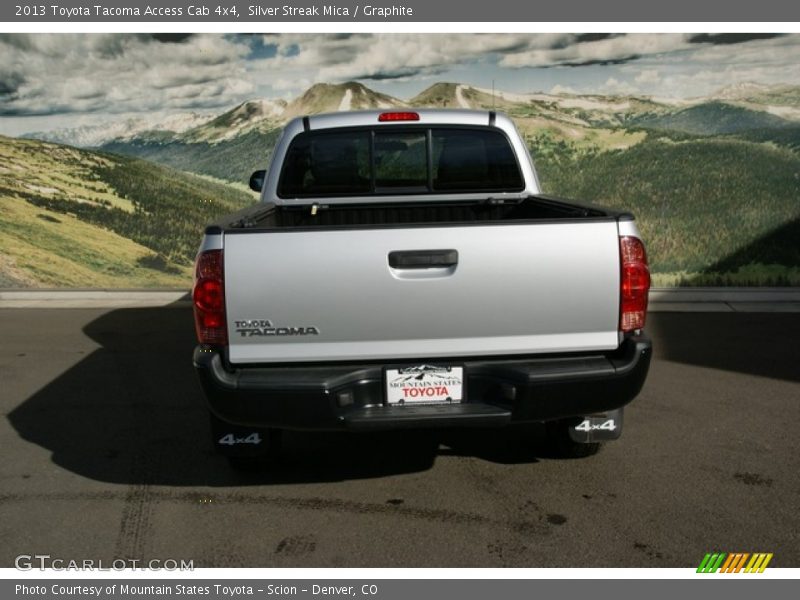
(561, 445)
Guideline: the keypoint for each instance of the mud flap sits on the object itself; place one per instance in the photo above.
(238, 440)
(601, 427)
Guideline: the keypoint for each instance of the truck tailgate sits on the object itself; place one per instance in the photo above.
(300, 295)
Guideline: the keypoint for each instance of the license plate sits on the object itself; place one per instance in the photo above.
(424, 384)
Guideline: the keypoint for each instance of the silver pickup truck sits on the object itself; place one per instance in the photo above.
(403, 270)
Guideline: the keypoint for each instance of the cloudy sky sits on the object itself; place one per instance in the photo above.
(51, 81)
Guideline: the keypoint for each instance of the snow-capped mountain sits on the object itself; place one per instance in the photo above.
(88, 136)
(250, 115)
(326, 97)
(741, 91)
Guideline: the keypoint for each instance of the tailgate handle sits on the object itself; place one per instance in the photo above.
(422, 259)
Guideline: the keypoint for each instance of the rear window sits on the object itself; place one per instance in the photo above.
(399, 161)
(330, 164)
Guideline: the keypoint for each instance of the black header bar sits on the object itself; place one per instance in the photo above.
(444, 11)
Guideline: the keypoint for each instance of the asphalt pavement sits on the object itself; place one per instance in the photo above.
(106, 454)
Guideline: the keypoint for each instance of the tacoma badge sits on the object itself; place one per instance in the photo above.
(261, 327)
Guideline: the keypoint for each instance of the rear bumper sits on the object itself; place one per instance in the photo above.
(498, 391)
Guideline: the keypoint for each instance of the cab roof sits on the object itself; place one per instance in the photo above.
(427, 116)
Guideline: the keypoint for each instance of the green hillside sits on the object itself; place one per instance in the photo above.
(698, 203)
(75, 218)
(787, 137)
(712, 118)
(231, 160)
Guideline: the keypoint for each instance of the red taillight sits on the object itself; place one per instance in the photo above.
(208, 297)
(634, 284)
(398, 116)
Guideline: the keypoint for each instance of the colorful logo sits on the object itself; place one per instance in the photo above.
(720, 562)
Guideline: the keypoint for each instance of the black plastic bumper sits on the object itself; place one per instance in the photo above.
(351, 396)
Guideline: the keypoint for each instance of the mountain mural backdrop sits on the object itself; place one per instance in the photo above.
(714, 181)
